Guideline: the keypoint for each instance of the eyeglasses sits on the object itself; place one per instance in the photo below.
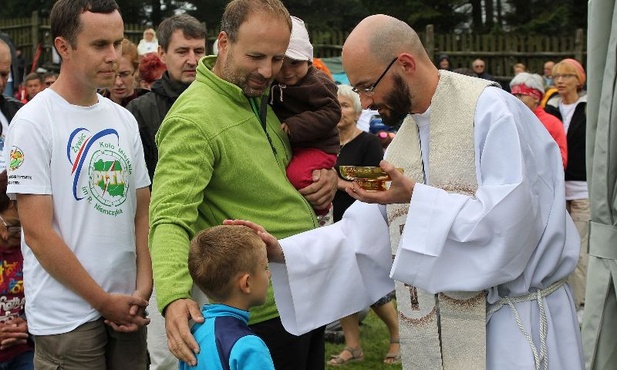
(124, 74)
(12, 229)
(565, 75)
(369, 91)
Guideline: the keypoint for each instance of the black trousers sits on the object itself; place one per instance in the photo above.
(290, 352)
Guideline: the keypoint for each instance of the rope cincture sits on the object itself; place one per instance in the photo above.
(538, 296)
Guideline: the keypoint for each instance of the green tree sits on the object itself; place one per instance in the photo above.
(24, 8)
(132, 11)
(544, 17)
(208, 11)
(445, 15)
(328, 14)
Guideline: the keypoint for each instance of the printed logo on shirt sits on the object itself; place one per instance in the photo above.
(16, 158)
(107, 166)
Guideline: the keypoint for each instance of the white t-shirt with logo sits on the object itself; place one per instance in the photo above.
(90, 159)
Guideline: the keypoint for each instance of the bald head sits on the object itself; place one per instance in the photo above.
(382, 37)
(384, 46)
(5, 64)
(5, 52)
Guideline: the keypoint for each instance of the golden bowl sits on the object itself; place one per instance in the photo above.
(364, 172)
(372, 184)
(368, 177)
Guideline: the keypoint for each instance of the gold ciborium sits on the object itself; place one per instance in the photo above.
(368, 177)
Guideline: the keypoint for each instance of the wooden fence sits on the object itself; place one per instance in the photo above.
(500, 52)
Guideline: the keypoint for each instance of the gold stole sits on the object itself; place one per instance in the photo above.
(445, 330)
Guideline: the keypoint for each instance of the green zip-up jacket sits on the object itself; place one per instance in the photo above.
(216, 163)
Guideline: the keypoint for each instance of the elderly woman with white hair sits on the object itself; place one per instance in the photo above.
(529, 89)
(359, 148)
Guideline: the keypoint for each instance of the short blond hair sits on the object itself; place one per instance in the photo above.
(219, 254)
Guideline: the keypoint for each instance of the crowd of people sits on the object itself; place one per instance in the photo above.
(198, 196)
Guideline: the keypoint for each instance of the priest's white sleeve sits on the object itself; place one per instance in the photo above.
(333, 271)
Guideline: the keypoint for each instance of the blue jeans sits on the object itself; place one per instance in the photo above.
(22, 362)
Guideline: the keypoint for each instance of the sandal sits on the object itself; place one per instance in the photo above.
(393, 358)
(338, 360)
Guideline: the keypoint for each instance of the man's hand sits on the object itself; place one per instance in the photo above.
(275, 252)
(400, 190)
(12, 332)
(116, 309)
(180, 341)
(321, 192)
(136, 311)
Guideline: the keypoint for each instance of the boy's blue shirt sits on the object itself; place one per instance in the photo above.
(227, 343)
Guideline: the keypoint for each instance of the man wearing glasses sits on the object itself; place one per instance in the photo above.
(49, 78)
(479, 68)
(8, 105)
(477, 224)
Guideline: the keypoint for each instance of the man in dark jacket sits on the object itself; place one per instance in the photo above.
(479, 68)
(8, 106)
(182, 42)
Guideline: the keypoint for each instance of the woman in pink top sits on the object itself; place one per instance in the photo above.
(529, 89)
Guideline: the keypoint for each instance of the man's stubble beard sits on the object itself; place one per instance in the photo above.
(241, 80)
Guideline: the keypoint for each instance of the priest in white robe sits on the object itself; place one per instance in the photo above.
(474, 231)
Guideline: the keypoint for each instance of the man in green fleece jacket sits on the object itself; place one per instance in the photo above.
(222, 155)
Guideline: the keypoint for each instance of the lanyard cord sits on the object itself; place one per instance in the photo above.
(261, 114)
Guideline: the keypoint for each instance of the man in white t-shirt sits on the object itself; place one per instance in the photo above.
(77, 169)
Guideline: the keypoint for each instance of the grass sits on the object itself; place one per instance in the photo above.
(375, 341)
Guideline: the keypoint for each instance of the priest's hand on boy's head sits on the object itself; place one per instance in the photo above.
(275, 252)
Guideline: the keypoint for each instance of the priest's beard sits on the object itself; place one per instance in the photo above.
(399, 102)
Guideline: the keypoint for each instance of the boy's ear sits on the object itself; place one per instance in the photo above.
(244, 283)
